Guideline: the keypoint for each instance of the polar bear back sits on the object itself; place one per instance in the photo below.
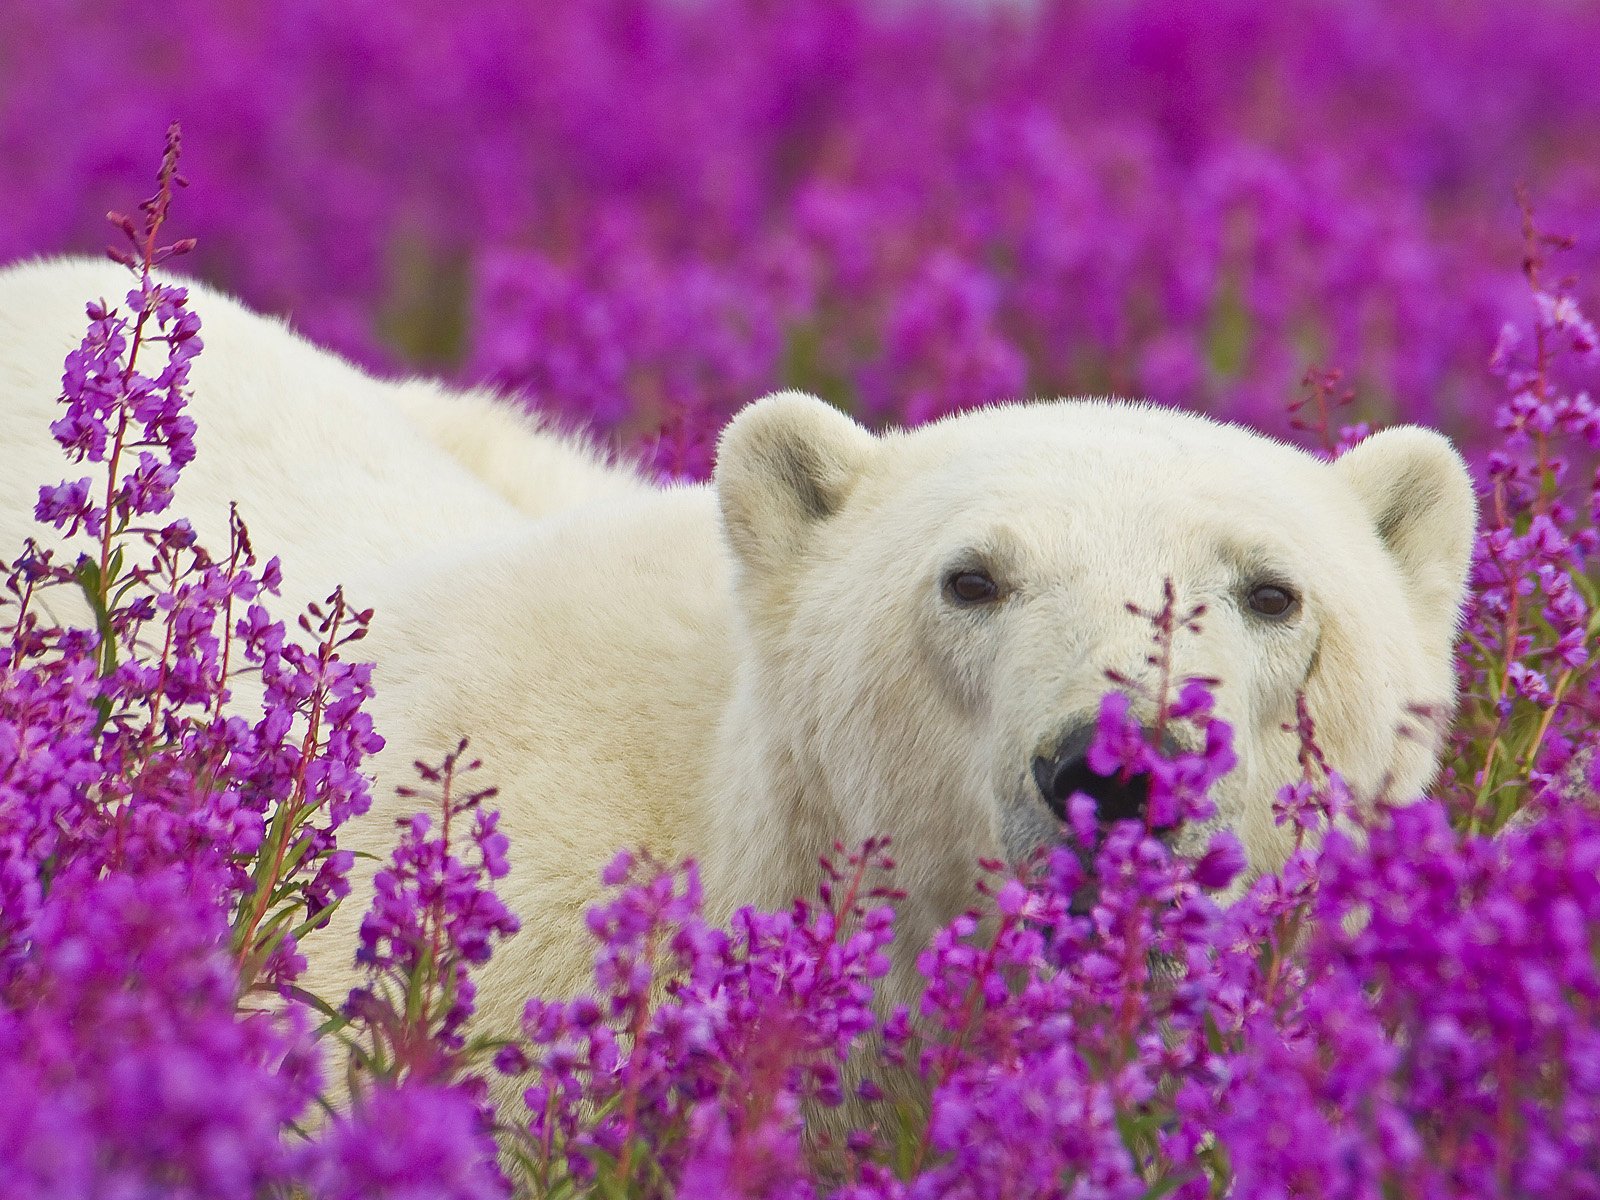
(337, 472)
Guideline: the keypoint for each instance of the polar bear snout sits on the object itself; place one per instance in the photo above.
(1065, 771)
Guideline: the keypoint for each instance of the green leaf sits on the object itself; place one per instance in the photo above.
(310, 924)
(269, 934)
(291, 860)
(87, 573)
(335, 1018)
(1165, 1186)
(419, 983)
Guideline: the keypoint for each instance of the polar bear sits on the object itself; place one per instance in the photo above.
(849, 634)
(844, 634)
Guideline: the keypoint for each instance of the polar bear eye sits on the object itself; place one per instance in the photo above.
(971, 587)
(1273, 600)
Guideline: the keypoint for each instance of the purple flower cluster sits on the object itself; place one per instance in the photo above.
(1446, 1040)
(162, 853)
(690, 1067)
(126, 1065)
(433, 915)
(1529, 665)
(414, 1142)
(643, 213)
(111, 408)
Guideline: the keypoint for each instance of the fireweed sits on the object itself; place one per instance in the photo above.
(689, 1066)
(908, 213)
(1528, 665)
(162, 854)
(645, 212)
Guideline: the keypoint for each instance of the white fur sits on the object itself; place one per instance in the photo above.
(747, 671)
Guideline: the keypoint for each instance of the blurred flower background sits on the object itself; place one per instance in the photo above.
(643, 213)
(637, 215)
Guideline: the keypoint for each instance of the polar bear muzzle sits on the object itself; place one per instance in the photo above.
(1065, 772)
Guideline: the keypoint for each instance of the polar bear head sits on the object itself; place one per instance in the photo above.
(929, 616)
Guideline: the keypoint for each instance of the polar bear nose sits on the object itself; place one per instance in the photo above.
(1066, 771)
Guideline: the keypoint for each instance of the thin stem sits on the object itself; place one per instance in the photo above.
(291, 811)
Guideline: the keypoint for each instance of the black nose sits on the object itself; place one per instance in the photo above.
(1067, 771)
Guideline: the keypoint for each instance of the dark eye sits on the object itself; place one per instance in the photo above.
(1273, 600)
(971, 587)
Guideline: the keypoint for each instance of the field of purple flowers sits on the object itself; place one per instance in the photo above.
(639, 214)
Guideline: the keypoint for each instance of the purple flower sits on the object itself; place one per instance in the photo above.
(1222, 862)
(130, 991)
(433, 916)
(746, 1027)
(414, 1142)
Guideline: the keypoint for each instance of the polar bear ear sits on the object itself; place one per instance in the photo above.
(785, 463)
(1418, 494)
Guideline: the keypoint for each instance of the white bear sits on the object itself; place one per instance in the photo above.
(844, 634)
